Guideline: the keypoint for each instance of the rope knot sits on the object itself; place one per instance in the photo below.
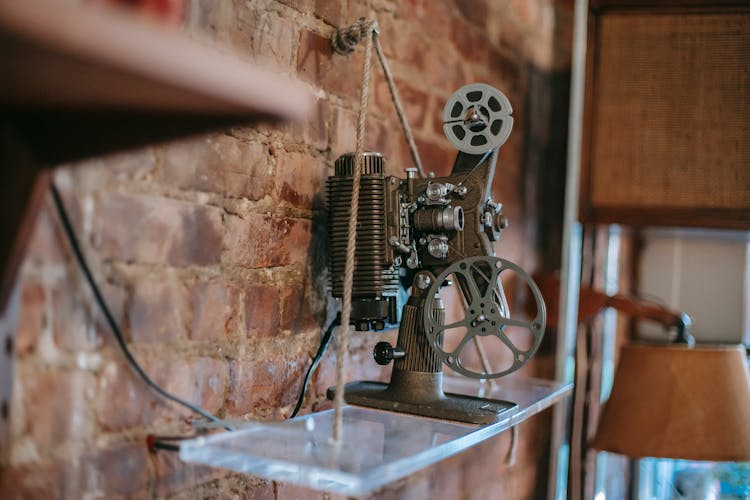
(345, 40)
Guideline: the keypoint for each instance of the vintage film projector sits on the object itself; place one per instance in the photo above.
(435, 234)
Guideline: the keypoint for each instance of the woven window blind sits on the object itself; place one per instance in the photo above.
(669, 123)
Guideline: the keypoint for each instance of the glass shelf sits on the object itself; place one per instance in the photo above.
(377, 447)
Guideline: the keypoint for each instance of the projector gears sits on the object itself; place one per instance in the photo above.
(485, 314)
(477, 118)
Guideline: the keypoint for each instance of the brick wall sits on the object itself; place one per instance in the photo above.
(211, 251)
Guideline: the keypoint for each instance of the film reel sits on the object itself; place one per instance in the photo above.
(486, 313)
(477, 118)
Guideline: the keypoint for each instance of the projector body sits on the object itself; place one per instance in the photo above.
(431, 233)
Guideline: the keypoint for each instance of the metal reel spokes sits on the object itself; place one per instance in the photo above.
(480, 312)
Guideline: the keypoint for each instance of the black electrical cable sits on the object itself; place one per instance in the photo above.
(324, 343)
(165, 443)
(73, 241)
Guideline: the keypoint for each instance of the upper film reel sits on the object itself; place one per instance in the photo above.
(477, 118)
(486, 314)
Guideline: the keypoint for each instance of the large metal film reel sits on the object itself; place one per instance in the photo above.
(486, 313)
(477, 118)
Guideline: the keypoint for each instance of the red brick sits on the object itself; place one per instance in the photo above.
(290, 383)
(475, 11)
(157, 312)
(300, 178)
(335, 73)
(313, 131)
(206, 19)
(199, 380)
(436, 157)
(30, 481)
(344, 132)
(157, 231)
(47, 243)
(71, 324)
(210, 379)
(414, 487)
(300, 5)
(135, 163)
(115, 297)
(330, 12)
(296, 310)
(511, 35)
(124, 400)
(293, 491)
(218, 164)
(422, 13)
(388, 35)
(264, 241)
(406, 45)
(272, 39)
(447, 479)
(414, 101)
(386, 141)
(251, 384)
(31, 316)
(263, 385)
(485, 462)
(213, 306)
(380, 103)
(435, 59)
(534, 437)
(172, 475)
(61, 396)
(356, 9)
(415, 104)
(528, 12)
(261, 310)
(498, 488)
(470, 42)
(324, 377)
(343, 75)
(313, 56)
(505, 72)
(438, 103)
(119, 470)
(245, 487)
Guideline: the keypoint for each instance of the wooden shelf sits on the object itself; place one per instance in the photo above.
(86, 80)
(57, 55)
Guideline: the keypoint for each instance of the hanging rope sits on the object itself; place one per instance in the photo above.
(363, 29)
(510, 457)
(344, 41)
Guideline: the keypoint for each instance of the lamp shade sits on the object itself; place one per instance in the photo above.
(674, 401)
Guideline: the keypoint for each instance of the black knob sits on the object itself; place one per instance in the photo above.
(384, 353)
